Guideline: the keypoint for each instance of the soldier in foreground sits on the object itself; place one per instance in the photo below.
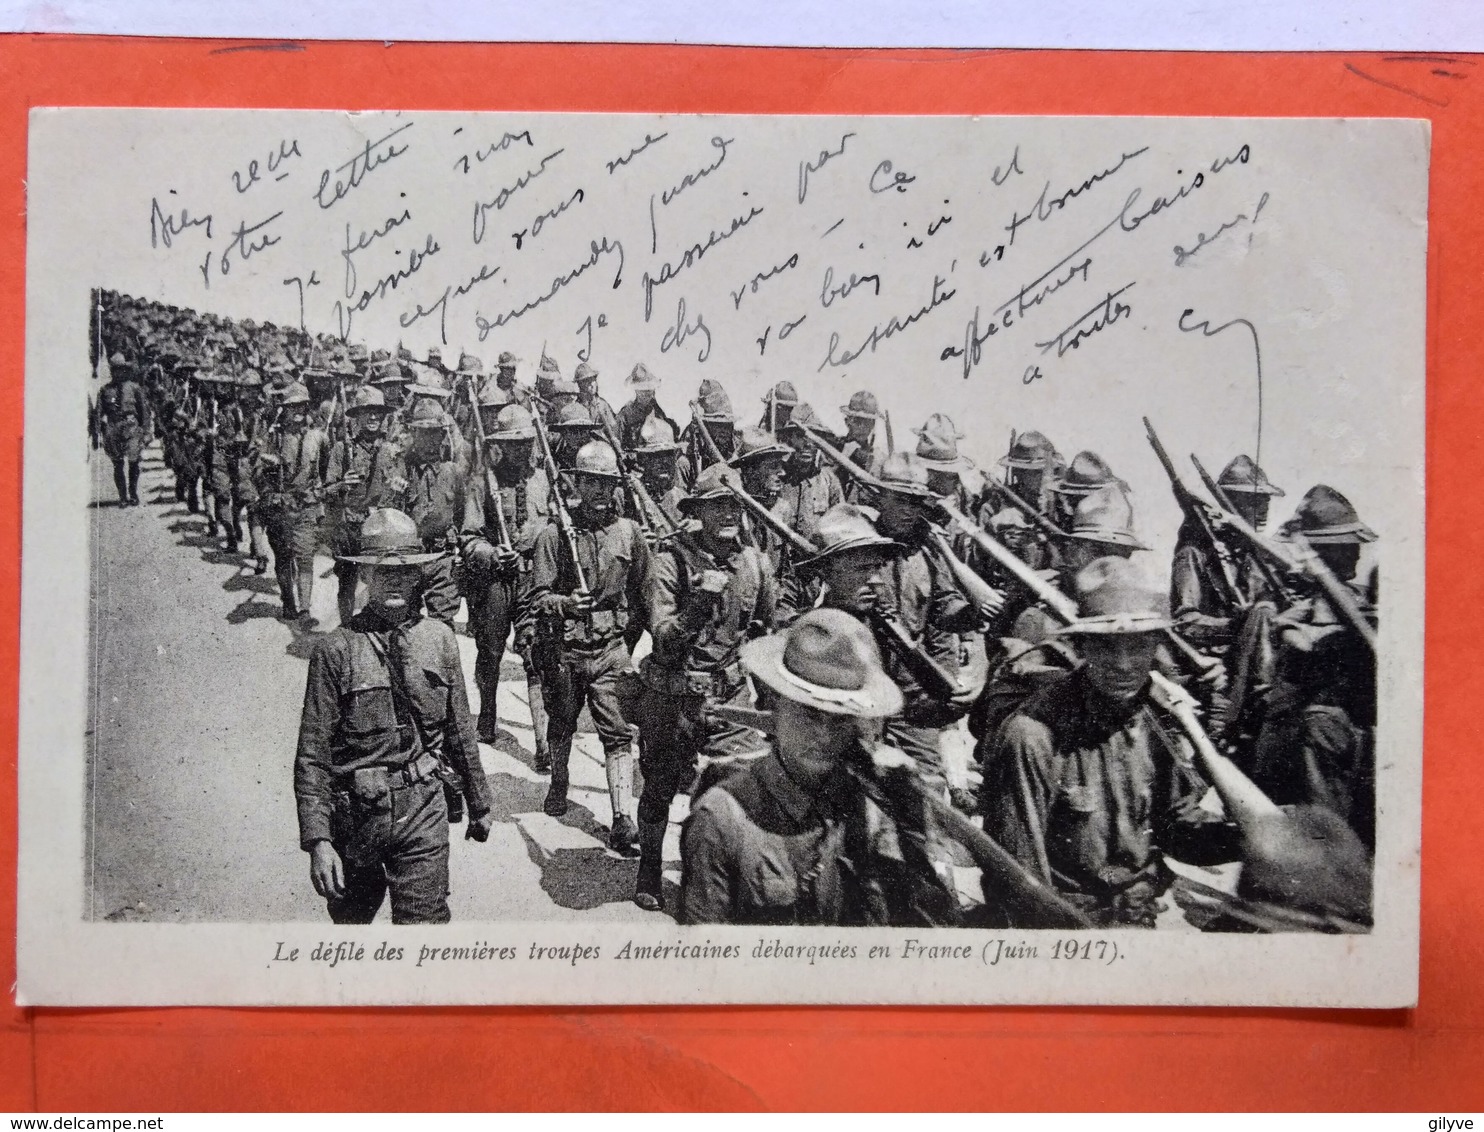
(384, 710)
(794, 836)
(1088, 784)
(707, 592)
(591, 603)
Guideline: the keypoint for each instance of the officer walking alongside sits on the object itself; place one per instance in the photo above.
(123, 415)
(384, 710)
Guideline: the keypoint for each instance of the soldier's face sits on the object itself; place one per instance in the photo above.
(1118, 664)
(942, 483)
(860, 429)
(393, 394)
(644, 396)
(595, 493)
(426, 442)
(794, 438)
(721, 519)
(505, 379)
(1026, 483)
(852, 576)
(294, 415)
(763, 479)
(390, 589)
(369, 424)
(658, 471)
(515, 453)
(811, 742)
(900, 514)
(1251, 506)
(1342, 558)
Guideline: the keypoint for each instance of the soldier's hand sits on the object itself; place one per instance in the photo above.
(326, 871)
(353, 479)
(579, 605)
(713, 582)
(478, 828)
(506, 560)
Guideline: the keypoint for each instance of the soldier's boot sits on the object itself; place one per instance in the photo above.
(283, 570)
(556, 794)
(134, 482)
(487, 725)
(121, 482)
(193, 498)
(304, 584)
(619, 766)
(180, 491)
(537, 695)
(648, 889)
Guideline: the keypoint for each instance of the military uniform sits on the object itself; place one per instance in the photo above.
(373, 461)
(290, 478)
(433, 496)
(384, 711)
(123, 415)
(592, 659)
(694, 664)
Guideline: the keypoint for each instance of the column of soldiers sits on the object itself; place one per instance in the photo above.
(819, 609)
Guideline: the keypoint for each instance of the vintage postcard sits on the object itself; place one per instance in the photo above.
(561, 558)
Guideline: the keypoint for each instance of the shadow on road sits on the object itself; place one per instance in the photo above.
(254, 583)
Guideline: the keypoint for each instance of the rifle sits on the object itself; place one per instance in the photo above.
(654, 521)
(559, 506)
(1219, 494)
(985, 597)
(491, 485)
(702, 435)
(1306, 561)
(1007, 883)
(1200, 522)
(935, 680)
(1061, 606)
(891, 444)
(844, 462)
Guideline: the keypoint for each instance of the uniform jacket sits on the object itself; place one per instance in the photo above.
(615, 565)
(692, 632)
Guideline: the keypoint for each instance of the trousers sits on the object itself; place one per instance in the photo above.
(397, 844)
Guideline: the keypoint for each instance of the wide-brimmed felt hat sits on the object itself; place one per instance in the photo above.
(1087, 472)
(506, 360)
(548, 364)
(1030, 451)
(904, 474)
(514, 422)
(715, 482)
(389, 538)
(428, 415)
(827, 660)
(367, 399)
(1244, 475)
(783, 393)
(1105, 515)
(573, 416)
(295, 393)
(561, 387)
(469, 364)
(640, 378)
(939, 451)
(940, 424)
(714, 402)
(598, 459)
(1325, 517)
(656, 436)
(801, 418)
(1114, 598)
(758, 444)
(389, 372)
(862, 404)
(584, 372)
(845, 527)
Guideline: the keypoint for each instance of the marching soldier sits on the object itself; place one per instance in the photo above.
(861, 415)
(1316, 743)
(513, 392)
(123, 415)
(919, 596)
(778, 406)
(1199, 611)
(290, 478)
(633, 415)
(794, 836)
(384, 713)
(591, 605)
(588, 397)
(364, 472)
(759, 461)
(707, 593)
(656, 455)
(1086, 785)
(434, 495)
(711, 435)
(1086, 473)
(507, 506)
(810, 487)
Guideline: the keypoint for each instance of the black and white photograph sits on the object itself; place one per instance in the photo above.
(510, 557)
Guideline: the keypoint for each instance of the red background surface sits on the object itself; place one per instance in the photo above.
(1431, 1058)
